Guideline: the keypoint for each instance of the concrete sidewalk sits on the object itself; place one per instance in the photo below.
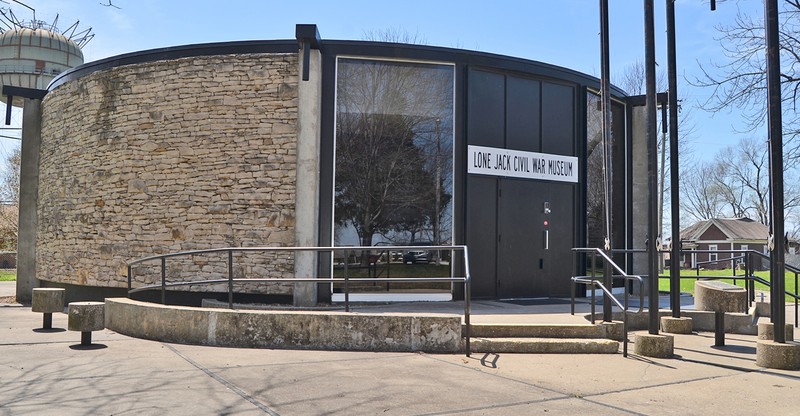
(49, 373)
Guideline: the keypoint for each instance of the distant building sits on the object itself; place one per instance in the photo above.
(722, 234)
(8, 259)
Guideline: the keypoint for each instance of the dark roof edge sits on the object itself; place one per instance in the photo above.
(369, 48)
(175, 52)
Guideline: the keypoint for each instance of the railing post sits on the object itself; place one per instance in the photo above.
(795, 299)
(130, 280)
(751, 284)
(346, 281)
(467, 307)
(608, 281)
(163, 280)
(593, 299)
(230, 279)
(572, 296)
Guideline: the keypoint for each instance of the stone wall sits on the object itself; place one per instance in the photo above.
(168, 156)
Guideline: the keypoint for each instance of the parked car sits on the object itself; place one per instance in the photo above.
(417, 256)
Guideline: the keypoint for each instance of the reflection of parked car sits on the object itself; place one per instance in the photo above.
(413, 257)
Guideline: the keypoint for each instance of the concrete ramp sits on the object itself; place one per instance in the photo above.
(325, 330)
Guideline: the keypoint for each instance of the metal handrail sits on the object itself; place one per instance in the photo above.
(466, 279)
(749, 277)
(591, 281)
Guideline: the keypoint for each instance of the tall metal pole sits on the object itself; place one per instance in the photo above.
(605, 107)
(652, 162)
(777, 266)
(672, 78)
(438, 188)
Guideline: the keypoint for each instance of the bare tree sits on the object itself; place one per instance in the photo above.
(742, 173)
(740, 80)
(9, 194)
(395, 35)
(735, 184)
(701, 199)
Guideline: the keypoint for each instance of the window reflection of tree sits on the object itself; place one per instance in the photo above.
(393, 139)
(595, 189)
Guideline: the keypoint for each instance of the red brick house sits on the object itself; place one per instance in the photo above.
(722, 234)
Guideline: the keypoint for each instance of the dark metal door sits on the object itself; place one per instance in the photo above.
(520, 243)
(514, 253)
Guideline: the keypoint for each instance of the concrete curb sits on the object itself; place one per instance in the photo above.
(328, 330)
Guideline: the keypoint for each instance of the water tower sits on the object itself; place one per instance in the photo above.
(33, 52)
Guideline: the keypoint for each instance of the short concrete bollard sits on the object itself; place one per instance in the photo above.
(720, 297)
(782, 356)
(671, 325)
(654, 345)
(86, 317)
(766, 331)
(47, 300)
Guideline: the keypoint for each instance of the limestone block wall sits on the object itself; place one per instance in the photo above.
(168, 156)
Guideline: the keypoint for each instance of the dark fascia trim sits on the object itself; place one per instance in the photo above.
(307, 38)
(176, 52)
(641, 100)
(339, 47)
(11, 92)
(308, 33)
(460, 56)
(32, 93)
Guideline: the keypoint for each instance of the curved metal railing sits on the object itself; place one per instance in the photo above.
(346, 280)
(748, 259)
(591, 281)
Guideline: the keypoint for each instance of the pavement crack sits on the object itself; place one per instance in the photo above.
(224, 382)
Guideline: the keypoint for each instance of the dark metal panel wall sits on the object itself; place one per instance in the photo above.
(558, 119)
(522, 114)
(485, 127)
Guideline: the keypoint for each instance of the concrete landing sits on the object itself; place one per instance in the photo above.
(45, 373)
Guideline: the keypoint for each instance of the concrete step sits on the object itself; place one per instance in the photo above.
(538, 330)
(544, 345)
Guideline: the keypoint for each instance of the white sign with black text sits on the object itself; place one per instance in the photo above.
(518, 164)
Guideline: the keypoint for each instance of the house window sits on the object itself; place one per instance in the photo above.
(744, 247)
(713, 256)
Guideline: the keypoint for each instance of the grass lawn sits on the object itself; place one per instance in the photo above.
(397, 270)
(688, 277)
(8, 275)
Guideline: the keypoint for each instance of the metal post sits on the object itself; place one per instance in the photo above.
(748, 268)
(86, 338)
(777, 267)
(652, 136)
(719, 329)
(605, 106)
(230, 279)
(163, 280)
(130, 280)
(467, 307)
(346, 281)
(672, 78)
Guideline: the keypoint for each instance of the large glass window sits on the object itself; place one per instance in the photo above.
(394, 156)
(394, 152)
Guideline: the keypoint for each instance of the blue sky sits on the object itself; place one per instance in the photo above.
(563, 32)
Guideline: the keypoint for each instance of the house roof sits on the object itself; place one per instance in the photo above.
(733, 228)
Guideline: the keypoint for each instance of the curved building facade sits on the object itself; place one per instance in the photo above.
(310, 142)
